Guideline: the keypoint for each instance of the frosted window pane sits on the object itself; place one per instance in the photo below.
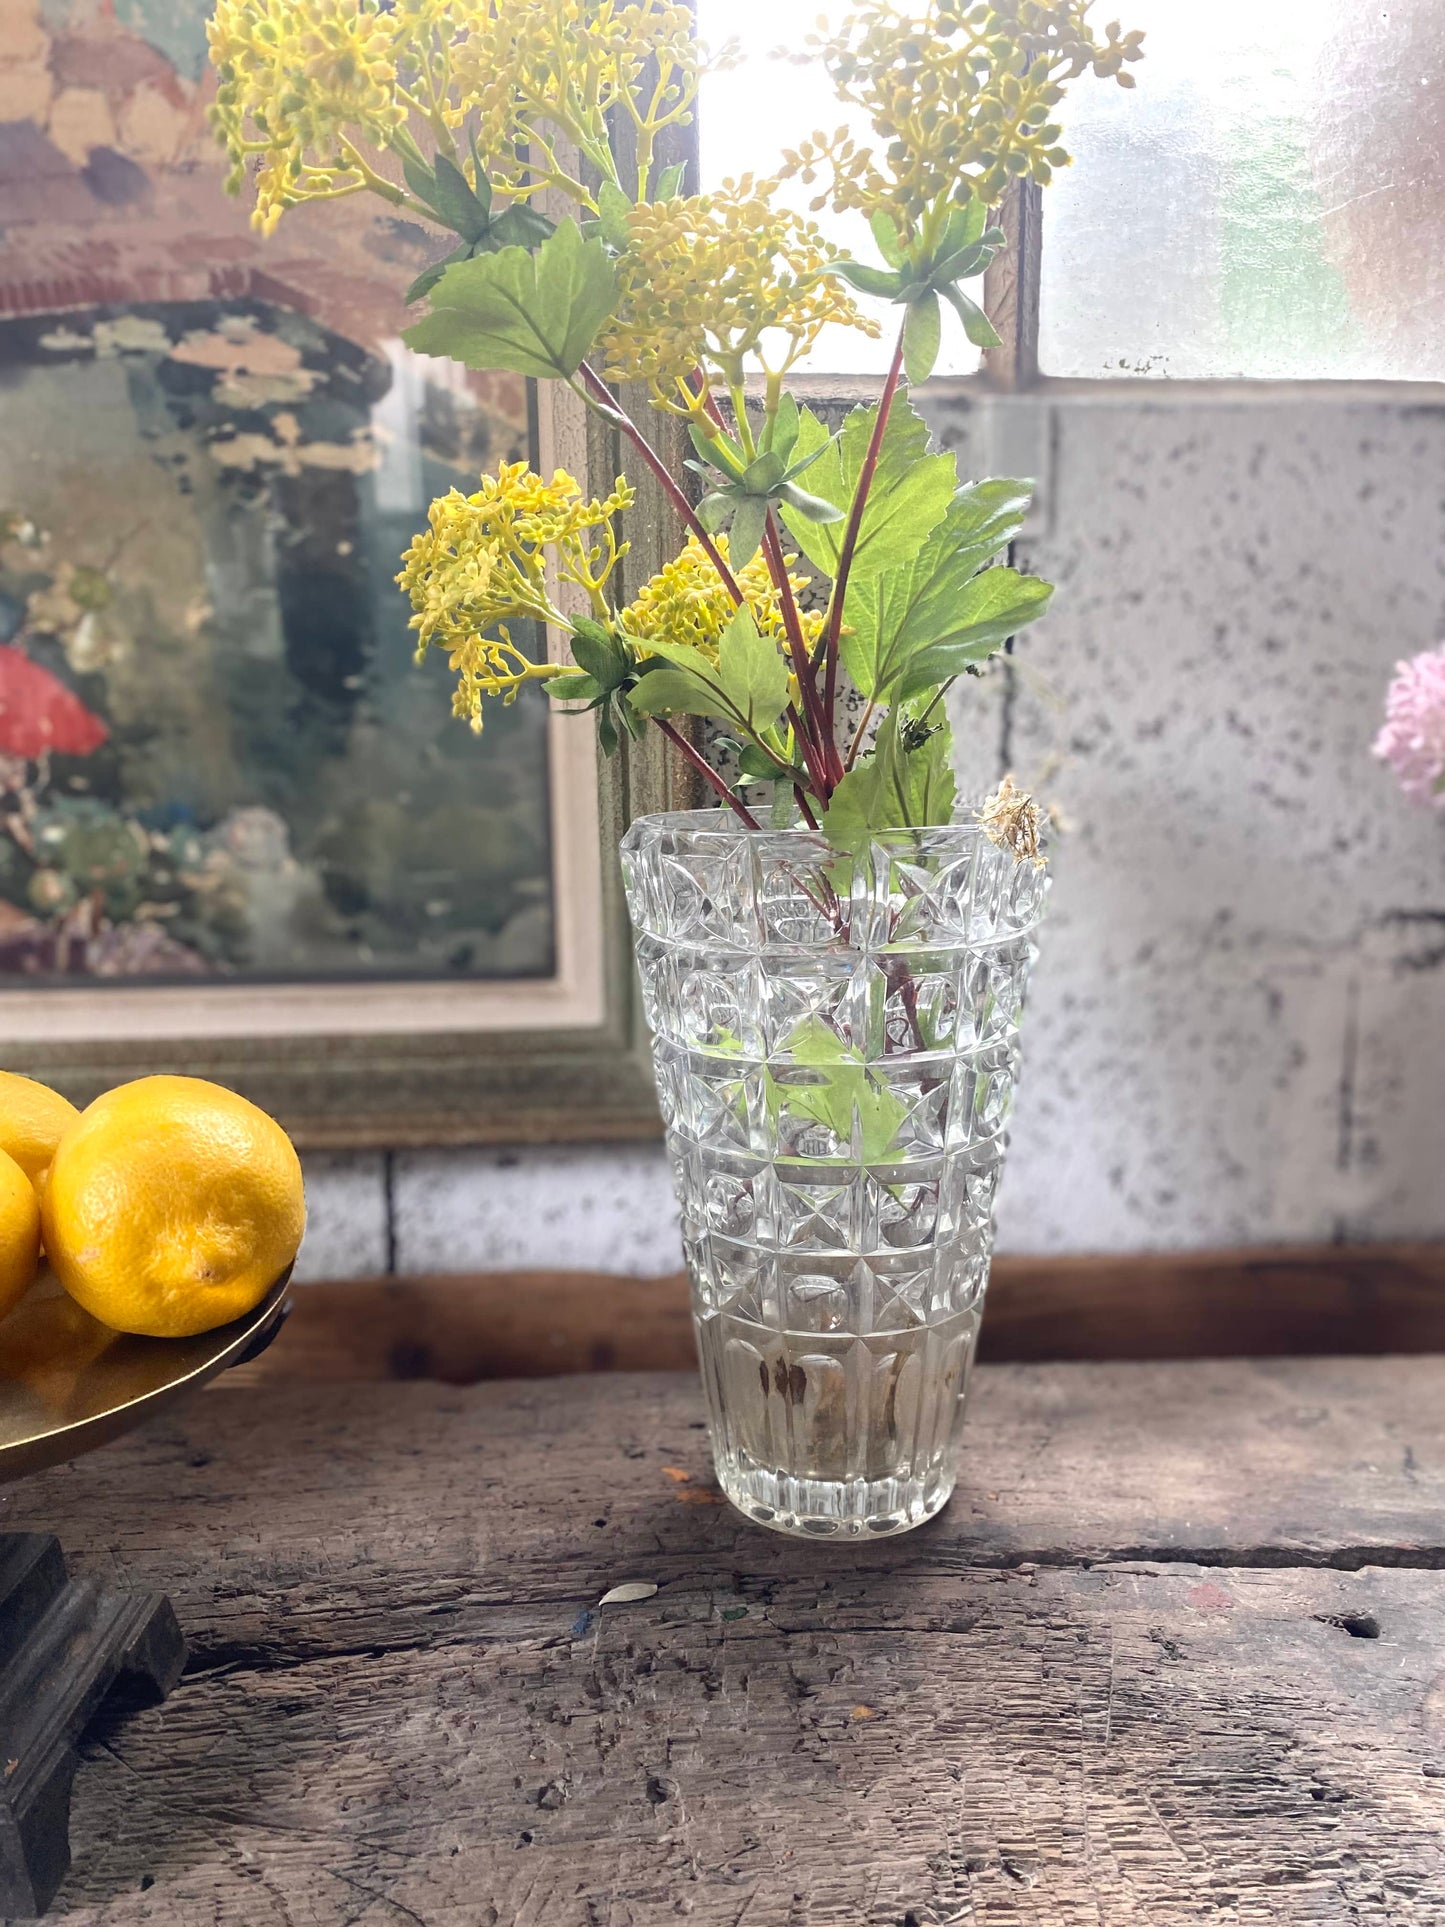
(1270, 201)
(748, 115)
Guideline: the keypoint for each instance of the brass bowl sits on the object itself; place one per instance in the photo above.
(69, 1383)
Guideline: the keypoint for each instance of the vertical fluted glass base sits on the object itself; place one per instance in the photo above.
(835, 1043)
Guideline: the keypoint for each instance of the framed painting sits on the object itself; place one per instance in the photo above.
(240, 834)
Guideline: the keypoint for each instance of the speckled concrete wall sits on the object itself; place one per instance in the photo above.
(1238, 1027)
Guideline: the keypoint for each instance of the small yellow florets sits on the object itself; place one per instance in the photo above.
(300, 82)
(687, 602)
(706, 277)
(961, 98)
(482, 563)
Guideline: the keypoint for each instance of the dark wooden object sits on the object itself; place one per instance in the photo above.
(1173, 1655)
(1324, 1300)
(64, 1645)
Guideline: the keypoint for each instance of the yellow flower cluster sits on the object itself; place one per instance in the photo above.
(318, 93)
(300, 81)
(707, 278)
(961, 97)
(482, 563)
(687, 602)
(534, 72)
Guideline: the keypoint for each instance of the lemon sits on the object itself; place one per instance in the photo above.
(19, 1233)
(32, 1117)
(172, 1206)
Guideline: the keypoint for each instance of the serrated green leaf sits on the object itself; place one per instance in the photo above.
(922, 331)
(993, 607)
(455, 201)
(674, 692)
(895, 787)
(752, 673)
(976, 324)
(909, 497)
(613, 208)
(885, 238)
(534, 314)
(894, 616)
(843, 1094)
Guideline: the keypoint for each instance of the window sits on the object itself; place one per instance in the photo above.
(1269, 201)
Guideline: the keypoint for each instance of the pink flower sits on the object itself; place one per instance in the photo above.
(1413, 739)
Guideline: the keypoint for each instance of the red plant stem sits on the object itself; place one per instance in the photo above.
(655, 462)
(706, 771)
(824, 759)
(834, 625)
(801, 797)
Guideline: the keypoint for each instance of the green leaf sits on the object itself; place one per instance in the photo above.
(976, 324)
(749, 519)
(785, 426)
(428, 278)
(421, 181)
(910, 494)
(672, 692)
(670, 180)
(993, 607)
(843, 1092)
(764, 472)
(753, 675)
(519, 226)
(812, 506)
(613, 208)
(600, 654)
(896, 787)
(534, 314)
(964, 226)
(922, 331)
(573, 689)
(455, 201)
(607, 731)
(885, 238)
(895, 615)
(883, 282)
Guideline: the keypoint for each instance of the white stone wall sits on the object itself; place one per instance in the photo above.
(1237, 1033)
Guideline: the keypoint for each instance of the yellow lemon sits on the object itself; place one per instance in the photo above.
(32, 1117)
(19, 1233)
(172, 1205)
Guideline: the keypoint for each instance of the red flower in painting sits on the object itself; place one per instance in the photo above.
(39, 714)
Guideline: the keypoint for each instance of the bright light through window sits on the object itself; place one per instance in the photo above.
(749, 114)
(1269, 202)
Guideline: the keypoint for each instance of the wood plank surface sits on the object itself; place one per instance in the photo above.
(1309, 1301)
(1175, 1653)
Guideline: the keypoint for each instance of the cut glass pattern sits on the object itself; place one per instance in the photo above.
(836, 1046)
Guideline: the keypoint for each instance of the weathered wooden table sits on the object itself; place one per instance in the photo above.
(1175, 1653)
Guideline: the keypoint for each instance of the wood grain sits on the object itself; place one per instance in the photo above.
(1174, 1654)
(1326, 1300)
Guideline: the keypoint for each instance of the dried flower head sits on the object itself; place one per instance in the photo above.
(482, 564)
(1011, 819)
(1412, 741)
(961, 97)
(709, 279)
(687, 602)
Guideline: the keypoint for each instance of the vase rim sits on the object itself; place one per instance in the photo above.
(720, 821)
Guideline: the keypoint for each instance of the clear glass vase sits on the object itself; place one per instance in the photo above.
(835, 1043)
